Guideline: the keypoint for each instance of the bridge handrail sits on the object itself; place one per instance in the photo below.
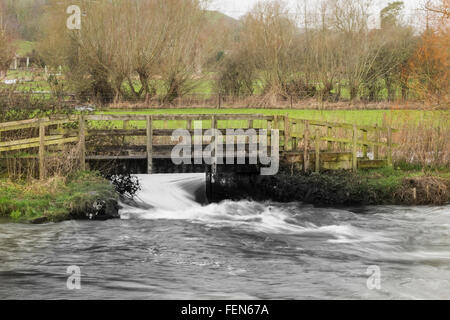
(290, 137)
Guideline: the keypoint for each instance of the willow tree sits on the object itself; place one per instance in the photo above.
(268, 35)
(123, 41)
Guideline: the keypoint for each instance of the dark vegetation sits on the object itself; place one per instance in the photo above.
(374, 187)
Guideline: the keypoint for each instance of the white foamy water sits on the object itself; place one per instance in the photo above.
(170, 192)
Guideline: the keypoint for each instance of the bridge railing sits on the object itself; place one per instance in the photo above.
(298, 137)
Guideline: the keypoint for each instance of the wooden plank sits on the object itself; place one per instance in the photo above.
(354, 148)
(115, 117)
(82, 141)
(149, 144)
(42, 172)
(371, 164)
(36, 144)
(359, 142)
(28, 141)
(118, 132)
(33, 123)
(340, 125)
(141, 156)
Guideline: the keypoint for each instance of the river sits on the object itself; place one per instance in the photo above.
(171, 247)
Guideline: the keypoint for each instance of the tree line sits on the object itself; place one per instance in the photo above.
(331, 51)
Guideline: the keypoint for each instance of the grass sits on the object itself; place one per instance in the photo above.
(360, 117)
(53, 199)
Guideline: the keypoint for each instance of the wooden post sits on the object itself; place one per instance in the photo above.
(389, 147)
(42, 172)
(355, 148)
(294, 144)
(376, 149)
(306, 146)
(365, 145)
(125, 127)
(275, 122)
(317, 147)
(82, 136)
(250, 124)
(149, 144)
(214, 154)
(287, 134)
(329, 143)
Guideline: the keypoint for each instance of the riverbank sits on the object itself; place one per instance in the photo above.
(373, 187)
(84, 195)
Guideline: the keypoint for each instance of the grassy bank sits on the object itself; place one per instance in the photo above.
(55, 199)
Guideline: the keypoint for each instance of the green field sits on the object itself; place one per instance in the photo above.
(360, 117)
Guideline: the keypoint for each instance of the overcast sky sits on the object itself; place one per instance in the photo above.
(237, 8)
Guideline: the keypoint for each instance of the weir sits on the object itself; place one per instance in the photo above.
(136, 143)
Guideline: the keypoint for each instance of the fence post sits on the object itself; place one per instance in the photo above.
(82, 136)
(354, 148)
(287, 134)
(294, 142)
(317, 147)
(42, 172)
(365, 145)
(306, 146)
(329, 143)
(149, 144)
(125, 127)
(376, 149)
(214, 155)
(389, 143)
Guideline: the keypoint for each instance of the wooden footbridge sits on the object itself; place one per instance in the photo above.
(307, 144)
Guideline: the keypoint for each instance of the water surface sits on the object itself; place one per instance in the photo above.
(174, 248)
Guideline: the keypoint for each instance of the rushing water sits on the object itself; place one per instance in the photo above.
(170, 247)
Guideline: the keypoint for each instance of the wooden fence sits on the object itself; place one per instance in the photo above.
(300, 139)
